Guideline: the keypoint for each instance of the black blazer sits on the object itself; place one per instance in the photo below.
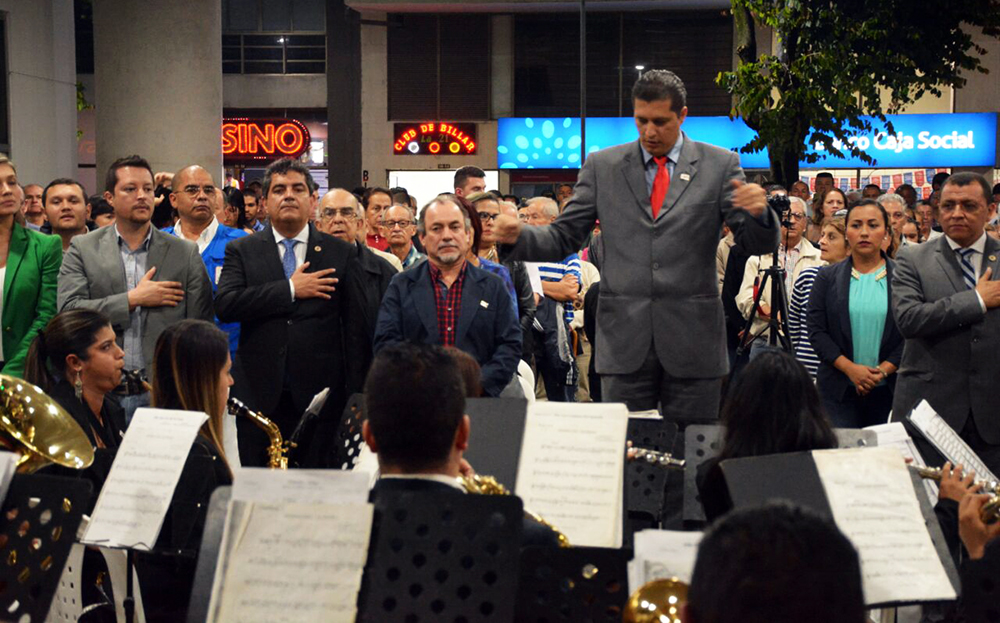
(302, 345)
(487, 328)
(829, 324)
(534, 534)
(113, 427)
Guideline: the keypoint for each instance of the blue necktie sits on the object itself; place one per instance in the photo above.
(968, 272)
(288, 262)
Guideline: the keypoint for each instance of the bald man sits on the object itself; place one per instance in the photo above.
(193, 194)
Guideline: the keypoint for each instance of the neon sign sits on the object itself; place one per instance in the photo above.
(255, 140)
(434, 137)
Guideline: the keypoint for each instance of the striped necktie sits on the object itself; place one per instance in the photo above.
(968, 272)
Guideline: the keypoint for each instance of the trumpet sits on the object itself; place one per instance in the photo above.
(488, 485)
(991, 510)
(655, 457)
(277, 451)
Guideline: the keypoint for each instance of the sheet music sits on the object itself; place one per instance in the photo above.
(305, 486)
(8, 466)
(294, 562)
(571, 469)
(534, 277)
(663, 554)
(894, 435)
(651, 414)
(874, 504)
(141, 483)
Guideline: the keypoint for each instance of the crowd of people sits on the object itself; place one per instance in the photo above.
(169, 290)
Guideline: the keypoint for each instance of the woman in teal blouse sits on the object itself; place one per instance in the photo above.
(851, 325)
(29, 270)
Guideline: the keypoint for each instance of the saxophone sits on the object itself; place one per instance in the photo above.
(277, 452)
(488, 485)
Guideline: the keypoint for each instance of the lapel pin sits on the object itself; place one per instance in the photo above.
(484, 304)
(685, 177)
(317, 248)
(993, 258)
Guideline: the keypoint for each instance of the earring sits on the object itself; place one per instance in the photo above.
(78, 386)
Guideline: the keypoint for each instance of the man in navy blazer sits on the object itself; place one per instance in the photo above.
(448, 301)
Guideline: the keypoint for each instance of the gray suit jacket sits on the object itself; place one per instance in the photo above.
(92, 277)
(658, 280)
(950, 357)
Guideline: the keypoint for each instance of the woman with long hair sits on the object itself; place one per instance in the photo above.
(851, 325)
(772, 408)
(77, 362)
(825, 206)
(191, 373)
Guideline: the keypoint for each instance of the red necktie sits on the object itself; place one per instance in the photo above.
(660, 184)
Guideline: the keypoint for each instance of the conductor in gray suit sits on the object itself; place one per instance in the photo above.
(142, 278)
(946, 295)
(661, 201)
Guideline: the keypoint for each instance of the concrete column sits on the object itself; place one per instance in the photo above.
(158, 75)
(343, 80)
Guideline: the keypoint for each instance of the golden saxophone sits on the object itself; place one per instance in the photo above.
(488, 485)
(277, 452)
(991, 510)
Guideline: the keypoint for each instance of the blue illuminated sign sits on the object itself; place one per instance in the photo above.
(920, 141)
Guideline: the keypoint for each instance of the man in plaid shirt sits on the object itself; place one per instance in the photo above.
(447, 301)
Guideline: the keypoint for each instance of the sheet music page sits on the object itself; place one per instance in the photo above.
(665, 554)
(571, 469)
(305, 486)
(534, 277)
(894, 435)
(295, 562)
(874, 504)
(135, 498)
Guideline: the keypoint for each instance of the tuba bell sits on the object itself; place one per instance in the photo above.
(658, 601)
(39, 430)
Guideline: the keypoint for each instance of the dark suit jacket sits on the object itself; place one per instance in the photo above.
(29, 293)
(301, 345)
(378, 273)
(950, 356)
(829, 323)
(487, 328)
(533, 534)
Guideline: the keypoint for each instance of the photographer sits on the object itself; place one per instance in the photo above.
(794, 255)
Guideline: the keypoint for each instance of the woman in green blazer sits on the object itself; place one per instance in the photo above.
(29, 264)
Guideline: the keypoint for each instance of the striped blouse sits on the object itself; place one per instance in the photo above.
(801, 347)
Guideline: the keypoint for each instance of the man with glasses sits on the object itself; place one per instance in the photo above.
(398, 227)
(795, 254)
(192, 193)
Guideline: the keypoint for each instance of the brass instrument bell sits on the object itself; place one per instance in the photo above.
(658, 601)
(38, 429)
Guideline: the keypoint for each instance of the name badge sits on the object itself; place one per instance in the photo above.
(685, 177)
(484, 304)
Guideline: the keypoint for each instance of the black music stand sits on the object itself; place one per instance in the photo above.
(208, 555)
(348, 444)
(495, 436)
(38, 525)
(644, 483)
(574, 584)
(442, 557)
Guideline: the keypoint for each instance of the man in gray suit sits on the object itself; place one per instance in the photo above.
(661, 202)
(945, 295)
(142, 278)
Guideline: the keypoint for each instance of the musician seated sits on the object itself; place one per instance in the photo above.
(415, 424)
(777, 564)
(190, 372)
(772, 408)
(76, 361)
(981, 567)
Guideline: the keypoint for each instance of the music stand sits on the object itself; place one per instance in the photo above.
(495, 436)
(575, 584)
(442, 557)
(348, 444)
(645, 483)
(208, 555)
(38, 525)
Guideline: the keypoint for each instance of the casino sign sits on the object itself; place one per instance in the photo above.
(434, 138)
(248, 141)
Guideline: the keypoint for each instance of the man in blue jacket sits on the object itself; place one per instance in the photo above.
(193, 194)
(450, 302)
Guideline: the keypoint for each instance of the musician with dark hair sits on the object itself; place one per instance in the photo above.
(416, 425)
(773, 407)
(776, 564)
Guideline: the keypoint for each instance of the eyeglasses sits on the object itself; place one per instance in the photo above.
(193, 190)
(795, 216)
(390, 225)
(347, 213)
(486, 217)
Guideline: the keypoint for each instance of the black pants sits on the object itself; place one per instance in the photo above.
(854, 411)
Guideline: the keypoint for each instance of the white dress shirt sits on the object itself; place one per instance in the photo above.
(300, 250)
(205, 238)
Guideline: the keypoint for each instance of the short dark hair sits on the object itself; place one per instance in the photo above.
(374, 191)
(776, 562)
(512, 198)
(968, 177)
(824, 174)
(111, 179)
(660, 84)
(414, 403)
(907, 187)
(251, 192)
(939, 178)
(463, 175)
(996, 189)
(99, 206)
(282, 167)
(875, 186)
(64, 181)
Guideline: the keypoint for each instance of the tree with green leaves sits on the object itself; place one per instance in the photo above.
(840, 60)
